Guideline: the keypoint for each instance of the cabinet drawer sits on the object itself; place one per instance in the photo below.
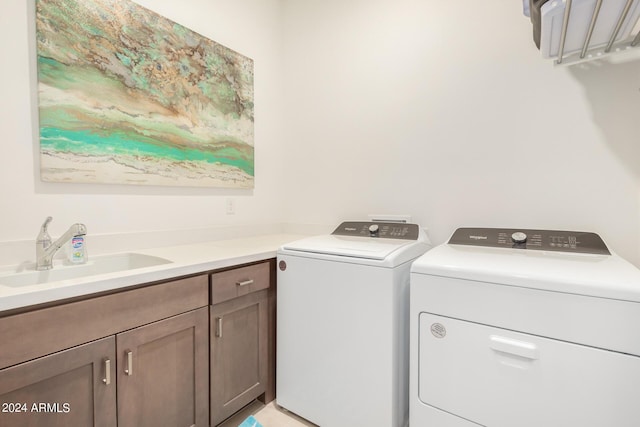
(230, 284)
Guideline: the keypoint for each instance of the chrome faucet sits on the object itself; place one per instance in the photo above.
(45, 250)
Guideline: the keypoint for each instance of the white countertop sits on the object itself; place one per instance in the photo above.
(185, 260)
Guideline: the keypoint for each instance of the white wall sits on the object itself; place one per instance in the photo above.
(446, 111)
(251, 27)
(440, 109)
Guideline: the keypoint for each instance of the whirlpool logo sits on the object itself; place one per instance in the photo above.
(472, 237)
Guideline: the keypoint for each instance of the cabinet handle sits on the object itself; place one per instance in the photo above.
(107, 372)
(219, 327)
(245, 282)
(129, 367)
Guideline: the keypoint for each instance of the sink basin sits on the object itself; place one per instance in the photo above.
(21, 276)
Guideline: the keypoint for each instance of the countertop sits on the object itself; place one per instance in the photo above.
(184, 260)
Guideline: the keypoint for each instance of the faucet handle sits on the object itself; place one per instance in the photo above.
(46, 223)
(43, 236)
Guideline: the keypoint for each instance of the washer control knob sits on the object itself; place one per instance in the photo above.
(373, 229)
(519, 237)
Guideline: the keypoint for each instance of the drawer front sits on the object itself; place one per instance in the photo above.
(230, 284)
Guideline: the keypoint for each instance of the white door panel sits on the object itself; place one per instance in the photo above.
(501, 378)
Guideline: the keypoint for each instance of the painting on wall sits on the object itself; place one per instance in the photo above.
(127, 96)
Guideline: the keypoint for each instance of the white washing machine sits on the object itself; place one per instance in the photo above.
(524, 328)
(342, 324)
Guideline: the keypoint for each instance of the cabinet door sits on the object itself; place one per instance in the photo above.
(163, 373)
(239, 353)
(74, 387)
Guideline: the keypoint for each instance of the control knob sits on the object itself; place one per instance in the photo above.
(373, 229)
(519, 237)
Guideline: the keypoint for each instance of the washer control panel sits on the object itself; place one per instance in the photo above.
(385, 230)
(542, 240)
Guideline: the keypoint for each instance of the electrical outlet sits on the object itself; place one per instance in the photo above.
(231, 206)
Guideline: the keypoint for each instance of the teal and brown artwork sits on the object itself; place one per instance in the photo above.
(127, 96)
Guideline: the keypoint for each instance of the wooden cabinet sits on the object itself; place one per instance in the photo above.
(239, 338)
(183, 353)
(162, 373)
(158, 371)
(75, 387)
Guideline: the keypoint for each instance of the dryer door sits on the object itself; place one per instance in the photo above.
(501, 378)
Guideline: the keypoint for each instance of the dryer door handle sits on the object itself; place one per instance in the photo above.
(515, 347)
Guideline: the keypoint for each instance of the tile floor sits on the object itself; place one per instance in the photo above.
(270, 415)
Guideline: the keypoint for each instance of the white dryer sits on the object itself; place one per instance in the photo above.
(524, 328)
(342, 324)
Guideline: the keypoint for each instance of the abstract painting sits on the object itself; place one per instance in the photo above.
(127, 96)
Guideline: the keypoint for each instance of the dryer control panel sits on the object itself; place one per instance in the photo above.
(385, 230)
(542, 240)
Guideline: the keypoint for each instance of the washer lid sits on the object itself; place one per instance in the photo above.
(373, 248)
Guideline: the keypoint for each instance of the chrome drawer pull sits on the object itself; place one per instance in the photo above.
(107, 372)
(245, 282)
(129, 367)
(219, 327)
